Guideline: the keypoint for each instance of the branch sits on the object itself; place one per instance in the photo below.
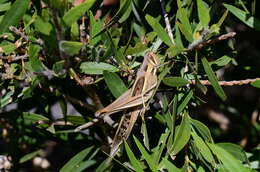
(227, 83)
(166, 20)
(198, 44)
(25, 37)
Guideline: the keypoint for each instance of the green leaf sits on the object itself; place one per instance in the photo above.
(96, 68)
(5, 6)
(182, 15)
(95, 27)
(120, 14)
(256, 84)
(6, 99)
(136, 164)
(185, 31)
(13, 16)
(114, 83)
(42, 26)
(158, 150)
(34, 62)
(170, 167)
(70, 47)
(203, 13)
(244, 17)
(145, 135)
(30, 156)
(147, 157)
(77, 120)
(202, 129)
(162, 34)
(234, 150)
(32, 117)
(83, 165)
(7, 47)
(228, 161)
(213, 79)
(182, 135)
(73, 163)
(126, 13)
(222, 61)
(203, 148)
(184, 102)
(76, 12)
(175, 81)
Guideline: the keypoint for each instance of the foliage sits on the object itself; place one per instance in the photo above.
(60, 62)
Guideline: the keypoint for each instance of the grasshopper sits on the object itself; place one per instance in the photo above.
(132, 102)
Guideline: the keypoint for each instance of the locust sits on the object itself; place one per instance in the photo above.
(132, 103)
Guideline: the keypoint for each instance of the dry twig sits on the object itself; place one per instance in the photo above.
(227, 83)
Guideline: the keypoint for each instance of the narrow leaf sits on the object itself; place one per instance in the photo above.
(244, 17)
(136, 164)
(229, 162)
(222, 61)
(75, 13)
(14, 14)
(213, 79)
(202, 129)
(175, 81)
(114, 83)
(72, 164)
(203, 148)
(182, 15)
(70, 47)
(162, 34)
(184, 102)
(256, 84)
(234, 150)
(96, 68)
(182, 135)
(185, 31)
(146, 156)
(170, 167)
(30, 156)
(32, 117)
(203, 13)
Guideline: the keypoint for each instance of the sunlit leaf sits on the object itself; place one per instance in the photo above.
(146, 156)
(229, 161)
(203, 13)
(76, 12)
(256, 84)
(13, 16)
(96, 68)
(136, 164)
(203, 148)
(162, 34)
(234, 150)
(71, 47)
(244, 17)
(32, 117)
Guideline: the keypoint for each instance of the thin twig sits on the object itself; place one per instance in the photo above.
(227, 83)
(14, 58)
(25, 37)
(166, 19)
(200, 44)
